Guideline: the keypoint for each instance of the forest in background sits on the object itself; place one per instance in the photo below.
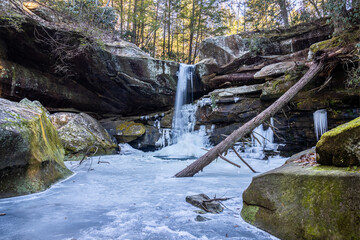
(174, 29)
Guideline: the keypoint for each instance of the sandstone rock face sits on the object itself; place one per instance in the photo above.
(340, 146)
(81, 134)
(225, 49)
(116, 79)
(274, 70)
(303, 202)
(31, 153)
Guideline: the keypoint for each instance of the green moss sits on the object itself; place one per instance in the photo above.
(344, 127)
(35, 140)
(248, 213)
(338, 41)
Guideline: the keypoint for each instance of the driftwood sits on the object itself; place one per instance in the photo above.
(315, 67)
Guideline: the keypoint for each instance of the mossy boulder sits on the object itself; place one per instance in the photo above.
(351, 36)
(31, 153)
(304, 202)
(129, 131)
(82, 135)
(340, 146)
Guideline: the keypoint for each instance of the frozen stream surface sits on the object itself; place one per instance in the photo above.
(134, 197)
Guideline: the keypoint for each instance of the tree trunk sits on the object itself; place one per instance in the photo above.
(192, 20)
(134, 35)
(283, 12)
(211, 155)
(169, 27)
(156, 26)
(312, 2)
(244, 16)
(129, 17)
(340, 15)
(164, 33)
(142, 20)
(121, 16)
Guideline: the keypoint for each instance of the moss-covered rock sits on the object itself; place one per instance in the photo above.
(303, 202)
(351, 36)
(340, 146)
(31, 153)
(81, 134)
(129, 131)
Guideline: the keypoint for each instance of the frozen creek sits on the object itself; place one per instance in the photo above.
(134, 197)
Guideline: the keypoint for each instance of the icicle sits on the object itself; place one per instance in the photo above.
(320, 122)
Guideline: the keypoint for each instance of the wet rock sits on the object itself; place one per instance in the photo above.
(274, 70)
(305, 202)
(81, 134)
(340, 146)
(31, 153)
(200, 218)
(148, 141)
(129, 131)
(201, 201)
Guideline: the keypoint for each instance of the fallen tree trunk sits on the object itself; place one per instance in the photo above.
(207, 158)
(235, 79)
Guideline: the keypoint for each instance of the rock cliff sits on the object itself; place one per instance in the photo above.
(66, 70)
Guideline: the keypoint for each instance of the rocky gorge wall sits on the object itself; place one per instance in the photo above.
(68, 71)
(250, 73)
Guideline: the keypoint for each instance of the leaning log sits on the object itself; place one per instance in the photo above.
(315, 67)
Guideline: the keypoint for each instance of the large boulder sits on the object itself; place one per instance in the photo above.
(81, 134)
(129, 131)
(31, 153)
(340, 146)
(223, 49)
(305, 202)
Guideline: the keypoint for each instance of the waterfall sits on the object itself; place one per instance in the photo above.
(320, 122)
(185, 142)
(184, 115)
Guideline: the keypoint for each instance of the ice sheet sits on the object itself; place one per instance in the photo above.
(134, 197)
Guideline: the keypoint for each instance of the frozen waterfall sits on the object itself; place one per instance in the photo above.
(320, 122)
(187, 142)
